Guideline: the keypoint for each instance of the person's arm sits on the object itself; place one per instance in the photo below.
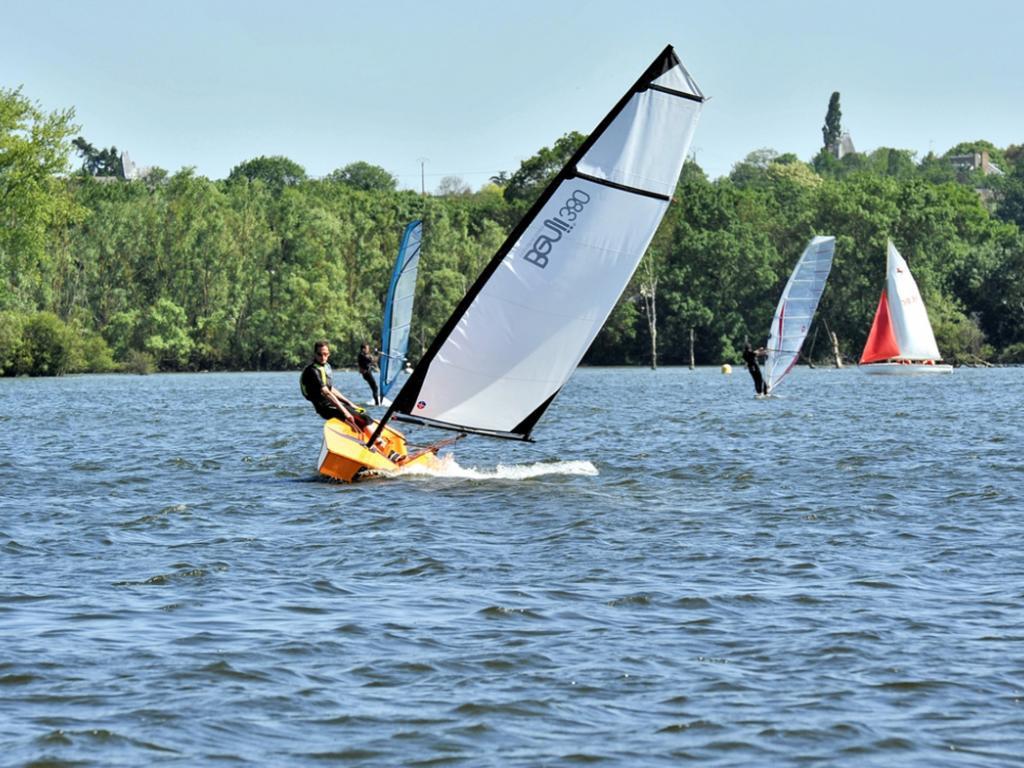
(340, 398)
(332, 396)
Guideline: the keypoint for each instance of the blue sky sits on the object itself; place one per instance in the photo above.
(474, 88)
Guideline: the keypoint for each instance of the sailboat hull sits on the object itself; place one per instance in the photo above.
(905, 369)
(344, 455)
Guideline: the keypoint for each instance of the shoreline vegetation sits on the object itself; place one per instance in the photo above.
(106, 268)
(582, 366)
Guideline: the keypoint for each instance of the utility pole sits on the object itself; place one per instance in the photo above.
(423, 177)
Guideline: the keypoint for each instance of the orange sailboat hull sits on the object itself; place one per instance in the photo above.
(344, 455)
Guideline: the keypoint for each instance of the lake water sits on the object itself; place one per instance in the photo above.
(674, 572)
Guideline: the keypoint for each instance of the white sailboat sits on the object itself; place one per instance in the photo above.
(394, 339)
(901, 340)
(796, 308)
(521, 329)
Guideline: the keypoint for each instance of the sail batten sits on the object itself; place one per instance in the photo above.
(525, 324)
(622, 187)
(673, 92)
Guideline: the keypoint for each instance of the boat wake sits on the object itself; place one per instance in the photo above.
(448, 467)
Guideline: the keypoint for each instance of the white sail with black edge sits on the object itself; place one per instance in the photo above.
(796, 308)
(398, 308)
(522, 328)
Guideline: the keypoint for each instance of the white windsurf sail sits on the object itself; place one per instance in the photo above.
(522, 328)
(796, 308)
(398, 308)
(907, 313)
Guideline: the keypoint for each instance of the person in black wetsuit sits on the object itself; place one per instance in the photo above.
(317, 386)
(367, 362)
(750, 358)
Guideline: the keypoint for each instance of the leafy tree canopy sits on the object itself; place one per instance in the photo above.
(364, 176)
(99, 162)
(1014, 155)
(34, 151)
(831, 131)
(451, 186)
(276, 172)
(534, 173)
(194, 274)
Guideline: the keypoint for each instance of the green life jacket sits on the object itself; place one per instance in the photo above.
(323, 373)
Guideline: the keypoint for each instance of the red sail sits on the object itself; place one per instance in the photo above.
(881, 340)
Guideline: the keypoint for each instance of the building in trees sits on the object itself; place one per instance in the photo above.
(974, 161)
(844, 146)
(132, 171)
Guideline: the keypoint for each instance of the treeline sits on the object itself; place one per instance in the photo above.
(180, 272)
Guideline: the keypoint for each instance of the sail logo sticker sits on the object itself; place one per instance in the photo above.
(558, 226)
(421, 405)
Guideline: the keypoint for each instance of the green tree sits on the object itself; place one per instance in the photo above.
(276, 172)
(14, 358)
(935, 169)
(185, 273)
(48, 344)
(250, 273)
(831, 131)
(194, 266)
(500, 179)
(164, 334)
(721, 270)
(618, 341)
(364, 176)
(450, 186)
(34, 149)
(893, 162)
(526, 184)
(752, 171)
(99, 162)
(1011, 206)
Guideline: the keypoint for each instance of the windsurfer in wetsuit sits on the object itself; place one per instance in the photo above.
(366, 363)
(318, 387)
(750, 358)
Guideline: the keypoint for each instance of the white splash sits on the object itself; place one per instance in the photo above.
(448, 467)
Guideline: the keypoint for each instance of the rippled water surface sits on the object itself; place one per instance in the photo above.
(674, 572)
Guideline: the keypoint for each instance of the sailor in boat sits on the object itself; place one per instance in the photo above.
(367, 362)
(317, 386)
(750, 358)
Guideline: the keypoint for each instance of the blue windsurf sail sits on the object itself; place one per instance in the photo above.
(398, 309)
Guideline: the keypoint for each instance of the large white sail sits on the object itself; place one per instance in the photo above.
(523, 327)
(907, 312)
(398, 308)
(796, 308)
